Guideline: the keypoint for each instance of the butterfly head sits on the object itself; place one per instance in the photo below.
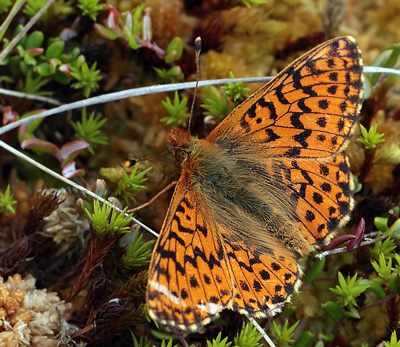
(181, 142)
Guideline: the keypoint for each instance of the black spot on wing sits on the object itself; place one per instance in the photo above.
(302, 137)
(271, 135)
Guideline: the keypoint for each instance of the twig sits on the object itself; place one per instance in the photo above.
(24, 30)
(71, 183)
(261, 331)
(344, 249)
(30, 96)
(10, 17)
(153, 90)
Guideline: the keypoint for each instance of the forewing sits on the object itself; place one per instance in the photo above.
(307, 111)
(189, 279)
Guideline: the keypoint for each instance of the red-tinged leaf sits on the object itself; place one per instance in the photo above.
(68, 34)
(108, 33)
(359, 236)
(128, 23)
(392, 218)
(65, 69)
(70, 171)
(32, 125)
(34, 51)
(54, 63)
(339, 240)
(39, 146)
(70, 150)
(23, 133)
(113, 17)
(9, 116)
(147, 30)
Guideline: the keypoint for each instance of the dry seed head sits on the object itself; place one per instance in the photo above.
(18, 295)
(11, 305)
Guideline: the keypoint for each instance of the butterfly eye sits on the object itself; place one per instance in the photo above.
(181, 155)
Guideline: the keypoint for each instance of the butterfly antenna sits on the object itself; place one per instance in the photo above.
(197, 48)
(132, 162)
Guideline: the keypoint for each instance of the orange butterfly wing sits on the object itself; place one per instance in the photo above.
(197, 270)
(262, 283)
(189, 279)
(270, 181)
(304, 118)
(314, 102)
(323, 191)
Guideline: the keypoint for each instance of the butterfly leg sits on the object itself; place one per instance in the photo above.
(154, 198)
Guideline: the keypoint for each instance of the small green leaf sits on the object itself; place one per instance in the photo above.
(137, 254)
(386, 248)
(216, 105)
(393, 341)
(174, 50)
(107, 33)
(217, 342)
(367, 87)
(237, 91)
(172, 75)
(44, 69)
(370, 138)
(381, 224)
(352, 313)
(178, 110)
(34, 124)
(377, 289)
(106, 220)
(161, 335)
(383, 268)
(327, 337)
(394, 230)
(143, 342)
(86, 77)
(333, 310)
(315, 270)
(128, 185)
(131, 38)
(250, 3)
(248, 336)
(7, 202)
(90, 8)
(394, 284)
(55, 50)
(4, 7)
(29, 60)
(34, 40)
(387, 59)
(88, 130)
(284, 333)
(304, 340)
(33, 6)
(348, 290)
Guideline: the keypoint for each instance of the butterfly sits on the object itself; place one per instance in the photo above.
(269, 183)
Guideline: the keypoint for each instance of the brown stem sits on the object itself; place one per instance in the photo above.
(98, 250)
(367, 165)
